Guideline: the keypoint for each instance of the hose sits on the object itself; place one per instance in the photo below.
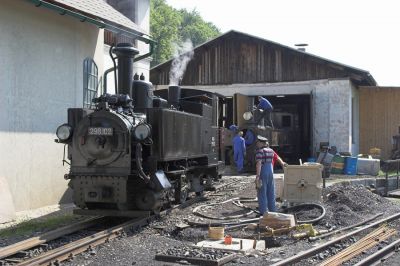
(307, 205)
(138, 157)
(235, 201)
(229, 224)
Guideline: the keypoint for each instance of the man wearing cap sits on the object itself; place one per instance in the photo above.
(265, 159)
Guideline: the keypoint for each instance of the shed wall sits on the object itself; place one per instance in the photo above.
(235, 58)
(379, 118)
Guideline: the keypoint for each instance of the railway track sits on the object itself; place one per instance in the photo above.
(317, 249)
(68, 251)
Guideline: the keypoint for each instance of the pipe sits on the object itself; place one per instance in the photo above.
(317, 249)
(108, 71)
(392, 247)
(125, 53)
(138, 157)
(345, 228)
(98, 23)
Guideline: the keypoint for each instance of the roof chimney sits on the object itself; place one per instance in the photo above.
(301, 46)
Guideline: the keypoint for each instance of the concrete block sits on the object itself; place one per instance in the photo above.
(247, 244)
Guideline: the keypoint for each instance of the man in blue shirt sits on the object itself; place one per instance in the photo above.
(266, 110)
(239, 151)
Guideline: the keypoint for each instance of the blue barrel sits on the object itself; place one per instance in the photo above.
(350, 167)
(311, 160)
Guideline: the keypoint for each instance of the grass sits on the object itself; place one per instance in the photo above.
(390, 173)
(35, 225)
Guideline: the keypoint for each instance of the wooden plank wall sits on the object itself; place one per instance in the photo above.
(379, 118)
(237, 59)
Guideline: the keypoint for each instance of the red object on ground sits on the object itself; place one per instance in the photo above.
(228, 240)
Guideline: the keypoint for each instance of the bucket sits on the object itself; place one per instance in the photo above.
(216, 233)
(337, 165)
(350, 167)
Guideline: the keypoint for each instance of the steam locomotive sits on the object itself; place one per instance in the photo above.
(140, 149)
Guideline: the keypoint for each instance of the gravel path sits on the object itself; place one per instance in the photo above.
(345, 205)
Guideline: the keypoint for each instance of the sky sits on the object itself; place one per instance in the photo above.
(362, 34)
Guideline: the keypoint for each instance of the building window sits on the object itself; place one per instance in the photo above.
(90, 82)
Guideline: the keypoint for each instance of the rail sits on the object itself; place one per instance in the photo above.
(317, 249)
(71, 249)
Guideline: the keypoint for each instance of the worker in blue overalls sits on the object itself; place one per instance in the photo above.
(264, 110)
(239, 151)
(265, 160)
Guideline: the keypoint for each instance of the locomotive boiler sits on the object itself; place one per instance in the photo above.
(141, 149)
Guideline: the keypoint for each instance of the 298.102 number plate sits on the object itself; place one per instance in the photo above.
(100, 131)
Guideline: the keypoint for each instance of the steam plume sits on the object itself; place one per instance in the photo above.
(183, 54)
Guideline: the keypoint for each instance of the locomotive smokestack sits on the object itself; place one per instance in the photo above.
(125, 53)
(174, 94)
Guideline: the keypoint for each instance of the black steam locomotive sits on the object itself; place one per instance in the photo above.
(140, 149)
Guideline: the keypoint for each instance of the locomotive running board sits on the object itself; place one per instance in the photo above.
(112, 213)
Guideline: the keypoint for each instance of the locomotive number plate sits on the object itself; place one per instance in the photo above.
(100, 131)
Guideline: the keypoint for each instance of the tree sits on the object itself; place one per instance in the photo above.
(193, 27)
(170, 28)
(164, 28)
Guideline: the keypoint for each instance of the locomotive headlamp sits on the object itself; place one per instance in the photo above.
(247, 116)
(142, 131)
(64, 132)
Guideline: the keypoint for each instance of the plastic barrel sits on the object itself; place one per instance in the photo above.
(311, 160)
(337, 165)
(350, 167)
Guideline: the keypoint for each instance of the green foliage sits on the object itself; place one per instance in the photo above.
(170, 27)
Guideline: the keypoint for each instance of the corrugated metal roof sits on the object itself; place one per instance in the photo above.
(100, 10)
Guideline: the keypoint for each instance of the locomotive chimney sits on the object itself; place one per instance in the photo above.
(125, 53)
(174, 94)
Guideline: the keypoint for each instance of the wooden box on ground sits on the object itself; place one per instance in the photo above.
(303, 183)
(277, 220)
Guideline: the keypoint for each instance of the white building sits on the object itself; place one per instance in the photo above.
(43, 47)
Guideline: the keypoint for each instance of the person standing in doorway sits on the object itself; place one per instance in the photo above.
(265, 109)
(239, 151)
(265, 160)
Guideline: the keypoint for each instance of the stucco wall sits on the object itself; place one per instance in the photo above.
(41, 70)
(332, 114)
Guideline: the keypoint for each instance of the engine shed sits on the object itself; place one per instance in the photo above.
(315, 99)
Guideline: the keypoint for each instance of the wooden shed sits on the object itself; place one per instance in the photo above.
(236, 57)
(320, 96)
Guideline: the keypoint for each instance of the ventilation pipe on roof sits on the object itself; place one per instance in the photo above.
(301, 46)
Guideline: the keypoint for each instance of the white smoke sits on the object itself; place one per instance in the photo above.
(183, 54)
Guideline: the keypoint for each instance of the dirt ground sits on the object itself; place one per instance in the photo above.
(345, 205)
